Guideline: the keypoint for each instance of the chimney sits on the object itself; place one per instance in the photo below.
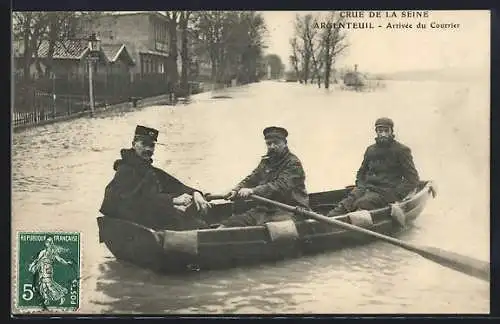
(355, 68)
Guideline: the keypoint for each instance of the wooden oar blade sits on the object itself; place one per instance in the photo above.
(471, 266)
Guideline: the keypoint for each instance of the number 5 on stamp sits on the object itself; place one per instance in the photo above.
(48, 275)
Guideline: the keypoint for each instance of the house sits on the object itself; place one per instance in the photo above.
(70, 59)
(144, 34)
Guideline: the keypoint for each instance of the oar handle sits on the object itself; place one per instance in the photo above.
(215, 196)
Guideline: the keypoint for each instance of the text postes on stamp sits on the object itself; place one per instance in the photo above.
(48, 276)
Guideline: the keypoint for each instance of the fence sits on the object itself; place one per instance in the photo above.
(25, 118)
(46, 98)
(45, 106)
(111, 85)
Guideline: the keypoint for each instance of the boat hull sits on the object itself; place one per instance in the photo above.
(174, 251)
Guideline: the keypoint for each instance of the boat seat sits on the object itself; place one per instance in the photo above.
(180, 241)
(283, 230)
(398, 214)
(361, 218)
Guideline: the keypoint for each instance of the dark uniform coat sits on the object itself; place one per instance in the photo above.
(387, 174)
(143, 194)
(388, 170)
(281, 179)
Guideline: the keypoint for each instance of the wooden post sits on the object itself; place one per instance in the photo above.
(91, 87)
(54, 112)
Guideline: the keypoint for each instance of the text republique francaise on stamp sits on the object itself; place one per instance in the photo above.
(48, 271)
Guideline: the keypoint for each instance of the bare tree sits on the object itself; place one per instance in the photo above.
(33, 28)
(303, 31)
(172, 23)
(313, 45)
(208, 25)
(28, 29)
(294, 58)
(333, 43)
(252, 29)
(184, 19)
(233, 41)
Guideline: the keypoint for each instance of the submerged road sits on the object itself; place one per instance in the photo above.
(59, 173)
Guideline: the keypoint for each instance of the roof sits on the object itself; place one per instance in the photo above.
(75, 50)
(66, 49)
(114, 51)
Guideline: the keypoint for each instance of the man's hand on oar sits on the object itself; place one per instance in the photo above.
(200, 202)
(470, 266)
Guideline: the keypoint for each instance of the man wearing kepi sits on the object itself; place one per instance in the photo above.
(279, 176)
(387, 173)
(149, 196)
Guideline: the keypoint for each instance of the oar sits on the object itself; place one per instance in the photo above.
(210, 197)
(470, 266)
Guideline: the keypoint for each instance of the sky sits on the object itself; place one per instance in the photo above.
(385, 50)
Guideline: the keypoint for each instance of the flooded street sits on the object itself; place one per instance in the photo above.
(59, 173)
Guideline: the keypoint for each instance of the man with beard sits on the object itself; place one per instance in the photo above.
(387, 173)
(149, 196)
(279, 176)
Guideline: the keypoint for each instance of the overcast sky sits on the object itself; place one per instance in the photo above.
(383, 50)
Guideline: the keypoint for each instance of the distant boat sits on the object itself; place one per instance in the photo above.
(354, 79)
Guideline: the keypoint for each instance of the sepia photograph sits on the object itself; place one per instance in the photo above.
(250, 162)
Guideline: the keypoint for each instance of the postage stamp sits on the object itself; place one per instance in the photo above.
(48, 271)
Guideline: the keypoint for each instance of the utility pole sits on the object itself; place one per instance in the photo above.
(94, 49)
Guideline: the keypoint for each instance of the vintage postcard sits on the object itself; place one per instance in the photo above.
(250, 162)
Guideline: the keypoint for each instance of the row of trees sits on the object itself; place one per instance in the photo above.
(232, 41)
(315, 50)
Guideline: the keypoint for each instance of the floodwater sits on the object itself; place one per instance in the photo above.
(60, 171)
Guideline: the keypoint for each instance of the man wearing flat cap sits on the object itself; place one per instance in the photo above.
(387, 173)
(149, 196)
(279, 176)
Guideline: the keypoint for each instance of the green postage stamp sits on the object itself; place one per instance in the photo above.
(48, 271)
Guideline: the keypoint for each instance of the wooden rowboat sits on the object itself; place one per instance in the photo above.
(174, 251)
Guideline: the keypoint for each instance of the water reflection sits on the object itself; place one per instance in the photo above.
(230, 291)
(284, 286)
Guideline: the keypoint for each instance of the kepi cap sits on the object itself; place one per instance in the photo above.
(275, 132)
(146, 134)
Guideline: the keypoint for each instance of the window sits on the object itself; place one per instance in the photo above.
(161, 68)
(160, 36)
(143, 64)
